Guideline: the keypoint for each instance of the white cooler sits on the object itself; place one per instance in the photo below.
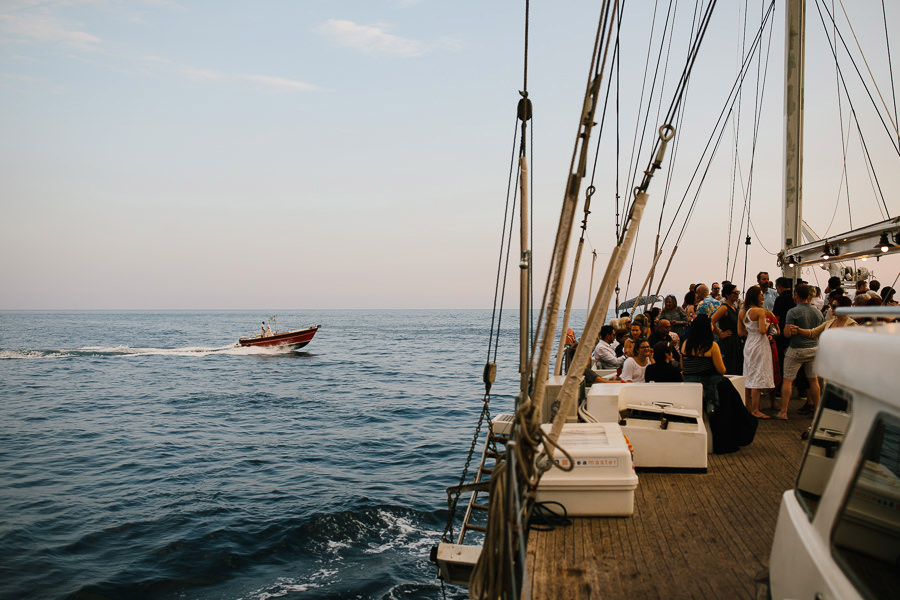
(602, 482)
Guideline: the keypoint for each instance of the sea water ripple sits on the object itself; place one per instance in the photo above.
(143, 455)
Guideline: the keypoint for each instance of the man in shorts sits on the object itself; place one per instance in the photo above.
(801, 351)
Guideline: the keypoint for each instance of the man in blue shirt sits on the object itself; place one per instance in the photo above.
(706, 304)
(769, 293)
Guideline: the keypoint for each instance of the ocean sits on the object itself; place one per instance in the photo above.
(142, 455)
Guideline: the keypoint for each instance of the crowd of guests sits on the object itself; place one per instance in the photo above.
(770, 337)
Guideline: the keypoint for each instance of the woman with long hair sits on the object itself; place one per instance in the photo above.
(701, 361)
(758, 369)
(725, 326)
(674, 314)
(635, 366)
(690, 305)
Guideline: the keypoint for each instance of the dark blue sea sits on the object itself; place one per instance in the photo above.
(142, 455)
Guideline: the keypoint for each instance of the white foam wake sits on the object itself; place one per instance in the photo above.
(126, 351)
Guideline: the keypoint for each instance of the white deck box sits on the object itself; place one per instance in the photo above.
(603, 480)
(554, 384)
(665, 425)
(602, 401)
(738, 382)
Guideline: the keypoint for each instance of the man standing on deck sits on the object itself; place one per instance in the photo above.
(661, 334)
(874, 286)
(862, 290)
(705, 304)
(769, 293)
(783, 303)
(800, 322)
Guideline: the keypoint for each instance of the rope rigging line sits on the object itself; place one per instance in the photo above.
(887, 42)
(845, 175)
(589, 192)
(618, 122)
(757, 118)
(695, 23)
(819, 5)
(632, 163)
(493, 339)
(681, 90)
(850, 102)
(498, 572)
(685, 75)
(719, 126)
(719, 123)
(576, 173)
(662, 206)
(523, 112)
(597, 317)
(869, 69)
(736, 129)
(662, 44)
(845, 142)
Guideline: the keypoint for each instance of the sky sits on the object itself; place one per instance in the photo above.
(312, 154)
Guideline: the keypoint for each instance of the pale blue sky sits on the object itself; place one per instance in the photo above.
(316, 154)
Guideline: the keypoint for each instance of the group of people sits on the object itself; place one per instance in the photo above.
(770, 338)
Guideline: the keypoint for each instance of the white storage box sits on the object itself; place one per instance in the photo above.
(738, 382)
(664, 423)
(602, 401)
(503, 423)
(554, 384)
(602, 482)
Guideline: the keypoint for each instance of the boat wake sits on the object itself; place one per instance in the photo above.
(126, 351)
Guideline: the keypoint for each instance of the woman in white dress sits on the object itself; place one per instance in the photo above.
(758, 372)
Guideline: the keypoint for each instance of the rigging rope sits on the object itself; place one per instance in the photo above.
(819, 5)
(869, 69)
(596, 319)
(736, 128)
(890, 62)
(759, 94)
(523, 113)
(719, 125)
(504, 539)
(850, 102)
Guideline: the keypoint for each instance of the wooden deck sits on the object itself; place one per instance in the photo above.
(693, 535)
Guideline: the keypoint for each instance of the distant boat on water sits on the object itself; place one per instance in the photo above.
(268, 337)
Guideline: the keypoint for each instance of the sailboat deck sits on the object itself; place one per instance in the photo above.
(692, 535)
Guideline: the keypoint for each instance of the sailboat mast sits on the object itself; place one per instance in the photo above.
(524, 276)
(795, 38)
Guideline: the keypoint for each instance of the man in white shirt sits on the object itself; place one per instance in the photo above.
(604, 354)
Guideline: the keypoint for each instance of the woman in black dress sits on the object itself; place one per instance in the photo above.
(725, 328)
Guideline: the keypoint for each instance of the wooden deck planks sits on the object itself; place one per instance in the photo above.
(692, 535)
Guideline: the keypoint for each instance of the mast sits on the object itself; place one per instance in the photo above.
(524, 275)
(862, 242)
(795, 37)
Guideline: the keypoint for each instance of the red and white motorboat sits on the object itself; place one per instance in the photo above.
(288, 340)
